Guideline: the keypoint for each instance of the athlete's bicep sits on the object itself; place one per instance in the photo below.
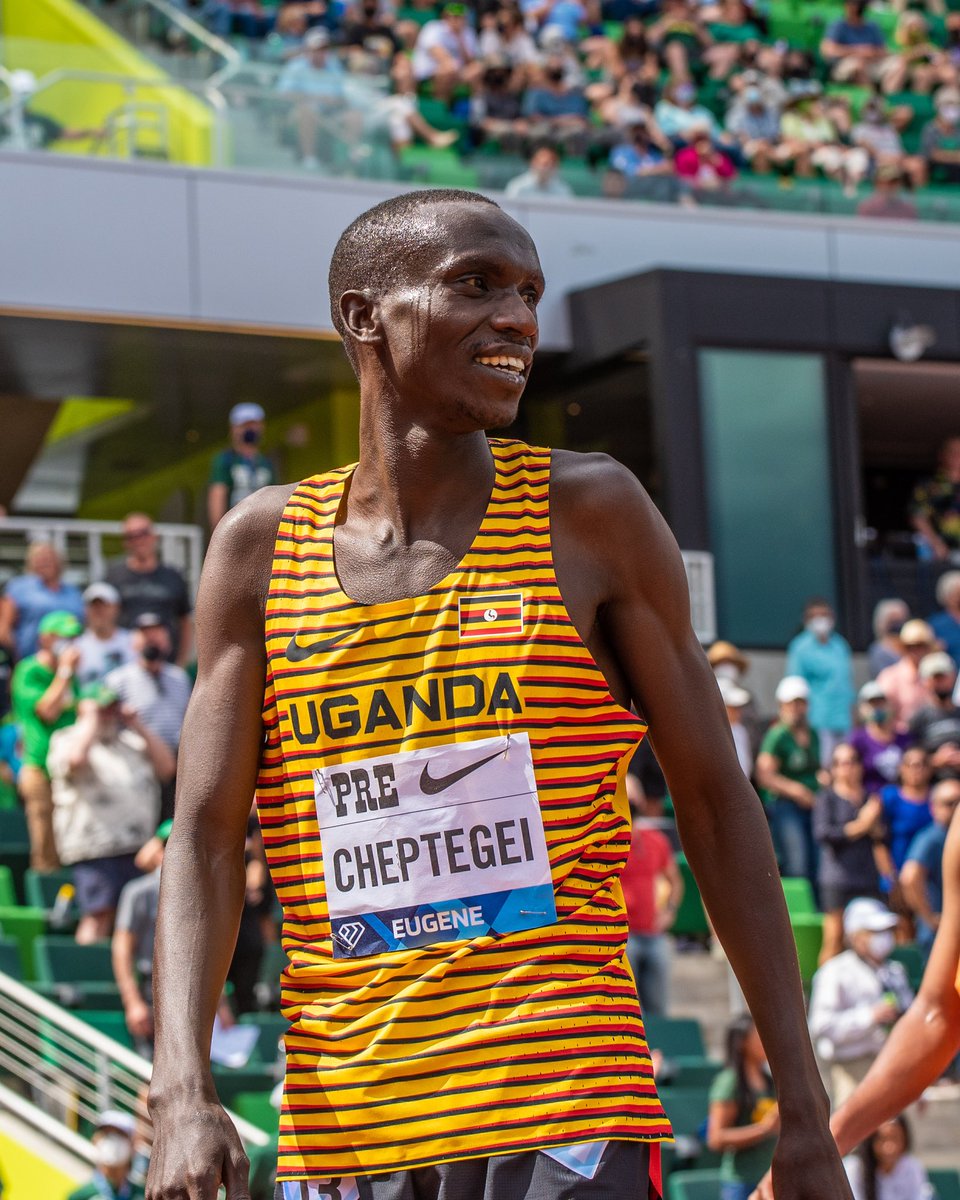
(940, 979)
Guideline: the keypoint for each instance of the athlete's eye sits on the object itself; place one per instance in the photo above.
(475, 281)
(532, 297)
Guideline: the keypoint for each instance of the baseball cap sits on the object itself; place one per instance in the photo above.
(99, 692)
(732, 694)
(101, 591)
(455, 9)
(871, 691)
(240, 414)
(113, 1118)
(148, 620)
(916, 633)
(317, 36)
(865, 913)
(62, 623)
(164, 829)
(937, 663)
(726, 652)
(792, 687)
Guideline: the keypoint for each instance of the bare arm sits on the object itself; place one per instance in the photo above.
(8, 619)
(204, 878)
(59, 695)
(644, 630)
(123, 949)
(770, 779)
(913, 880)
(162, 758)
(724, 1134)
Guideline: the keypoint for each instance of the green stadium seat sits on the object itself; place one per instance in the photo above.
(695, 1071)
(799, 896)
(10, 963)
(686, 1108)
(15, 846)
(233, 1081)
(911, 959)
(808, 934)
(675, 1037)
(24, 926)
(694, 1185)
(272, 1027)
(62, 960)
(112, 1024)
(256, 1108)
(691, 920)
(100, 997)
(8, 893)
(42, 889)
(946, 1182)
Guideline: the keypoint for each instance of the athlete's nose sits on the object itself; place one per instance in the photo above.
(514, 313)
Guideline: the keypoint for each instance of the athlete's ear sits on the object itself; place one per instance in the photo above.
(361, 315)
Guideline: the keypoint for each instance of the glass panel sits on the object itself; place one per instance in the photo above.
(766, 456)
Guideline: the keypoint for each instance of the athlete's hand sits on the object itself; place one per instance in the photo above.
(804, 1168)
(195, 1149)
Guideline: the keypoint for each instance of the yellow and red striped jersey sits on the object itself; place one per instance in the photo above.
(486, 1044)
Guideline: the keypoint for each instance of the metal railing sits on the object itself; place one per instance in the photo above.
(81, 544)
(703, 600)
(139, 21)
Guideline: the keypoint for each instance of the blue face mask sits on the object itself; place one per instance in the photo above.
(250, 436)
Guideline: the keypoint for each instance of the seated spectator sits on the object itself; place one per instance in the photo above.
(787, 769)
(29, 597)
(755, 124)
(44, 694)
(857, 997)
(627, 107)
(495, 108)
(919, 65)
(733, 29)
(822, 656)
(935, 505)
(650, 873)
(701, 166)
(884, 1168)
(744, 1120)
(315, 79)
(678, 114)
(112, 1142)
(555, 111)
(887, 199)
(106, 771)
(945, 623)
(906, 810)
(846, 822)
(565, 15)
(921, 876)
(811, 139)
(372, 32)
(936, 726)
(411, 18)
(444, 51)
(877, 740)
(735, 700)
(681, 38)
(853, 48)
(901, 682)
(559, 51)
(639, 155)
(631, 55)
(889, 617)
(505, 37)
(876, 134)
(940, 146)
(541, 177)
(103, 644)
(400, 112)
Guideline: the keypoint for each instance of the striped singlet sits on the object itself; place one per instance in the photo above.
(490, 1044)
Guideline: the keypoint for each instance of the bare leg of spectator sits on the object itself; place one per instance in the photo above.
(38, 803)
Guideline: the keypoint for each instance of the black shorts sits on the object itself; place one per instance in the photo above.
(623, 1174)
(99, 881)
(834, 897)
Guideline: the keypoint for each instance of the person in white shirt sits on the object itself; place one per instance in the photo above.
(735, 700)
(103, 645)
(884, 1168)
(858, 996)
(445, 51)
(541, 177)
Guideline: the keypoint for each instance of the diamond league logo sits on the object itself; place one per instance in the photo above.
(350, 933)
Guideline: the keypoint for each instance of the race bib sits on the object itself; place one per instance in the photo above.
(433, 845)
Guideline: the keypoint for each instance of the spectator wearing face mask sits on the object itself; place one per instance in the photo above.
(735, 701)
(854, 48)
(857, 997)
(940, 140)
(756, 126)
(242, 469)
(889, 617)
(113, 1157)
(823, 658)
(875, 133)
(677, 113)
(103, 644)
(877, 740)
(945, 623)
(936, 726)
(638, 155)
(901, 682)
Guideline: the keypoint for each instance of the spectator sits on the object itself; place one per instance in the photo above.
(147, 585)
(935, 508)
(103, 644)
(650, 869)
(495, 108)
(556, 110)
(906, 810)
(444, 51)
(113, 1157)
(853, 48)
(540, 178)
(921, 877)
(401, 113)
(371, 31)
(735, 700)
(889, 617)
(918, 65)
(857, 997)
(106, 771)
(846, 822)
(566, 16)
(901, 682)
(556, 49)
(255, 919)
(315, 81)
(638, 155)
(6, 671)
(701, 166)
(734, 29)
(9, 765)
(787, 771)
(28, 598)
(823, 658)
(755, 124)
(945, 623)
(876, 134)
(810, 138)
(744, 1121)
(887, 200)
(677, 113)
(885, 1169)
(681, 39)
(506, 37)
(627, 107)
(242, 469)
(936, 726)
(44, 693)
(728, 662)
(877, 740)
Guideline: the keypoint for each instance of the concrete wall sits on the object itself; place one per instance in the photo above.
(161, 242)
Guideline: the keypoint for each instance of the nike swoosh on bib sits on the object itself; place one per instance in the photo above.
(297, 653)
(431, 787)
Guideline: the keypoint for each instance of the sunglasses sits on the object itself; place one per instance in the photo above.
(130, 534)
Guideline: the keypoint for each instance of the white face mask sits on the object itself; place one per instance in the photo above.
(950, 113)
(59, 646)
(113, 1150)
(821, 626)
(881, 944)
(728, 670)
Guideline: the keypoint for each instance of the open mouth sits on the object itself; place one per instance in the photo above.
(507, 365)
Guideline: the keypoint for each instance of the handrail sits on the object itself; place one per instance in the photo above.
(189, 25)
(46, 1124)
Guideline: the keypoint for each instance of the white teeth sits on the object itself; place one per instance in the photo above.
(502, 360)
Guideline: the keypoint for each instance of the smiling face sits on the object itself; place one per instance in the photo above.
(457, 335)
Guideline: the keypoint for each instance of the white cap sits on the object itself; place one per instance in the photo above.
(871, 691)
(732, 694)
(865, 913)
(101, 591)
(114, 1118)
(240, 414)
(317, 36)
(792, 687)
(937, 663)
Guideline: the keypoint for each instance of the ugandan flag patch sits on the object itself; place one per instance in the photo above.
(492, 614)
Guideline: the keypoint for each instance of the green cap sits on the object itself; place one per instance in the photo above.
(98, 691)
(455, 9)
(62, 623)
(164, 829)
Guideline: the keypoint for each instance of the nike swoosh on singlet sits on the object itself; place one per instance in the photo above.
(431, 787)
(297, 653)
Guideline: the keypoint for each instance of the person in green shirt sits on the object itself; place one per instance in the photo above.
(744, 1121)
(113, 1157)
(787, 767)
(43, 692)
(242, 469)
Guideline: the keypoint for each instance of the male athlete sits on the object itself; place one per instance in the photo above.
(924, 1041)
(425, 666)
